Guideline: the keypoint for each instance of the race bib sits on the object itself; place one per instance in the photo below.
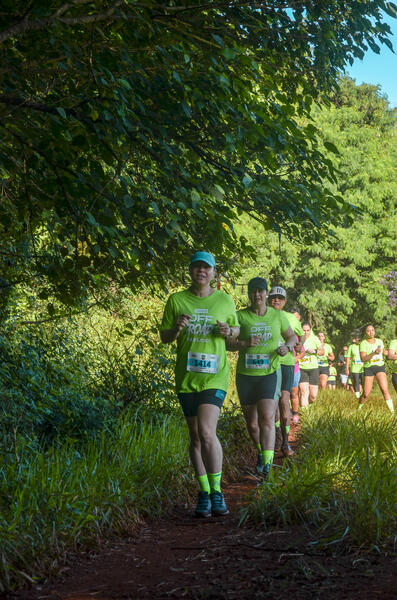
(257, 361)
(357, 361)
(378, 358)
(305, 359)
(202, 363)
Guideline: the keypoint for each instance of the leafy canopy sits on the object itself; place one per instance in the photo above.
(133, 131)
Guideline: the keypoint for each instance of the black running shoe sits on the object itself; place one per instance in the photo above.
(203, 508)
(218, 504)
(259, 464)
(266, 471)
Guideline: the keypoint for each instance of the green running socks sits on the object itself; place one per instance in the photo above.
(204, 483)
(267, 456)
(214, 480)
(258, 447)
(277, 423)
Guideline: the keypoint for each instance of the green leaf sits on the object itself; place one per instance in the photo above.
(331, 147)
(61, 111)
(247, 180)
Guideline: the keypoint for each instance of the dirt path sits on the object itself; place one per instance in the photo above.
(183, 557)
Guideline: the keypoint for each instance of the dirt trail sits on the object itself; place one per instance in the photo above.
(183, 557)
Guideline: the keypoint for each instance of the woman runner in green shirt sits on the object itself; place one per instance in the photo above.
(323, 360)
(308, 364)
(392, 355)
(332, 377)
(200, 319)
(371, 352)
(354, 365)
(258, 373)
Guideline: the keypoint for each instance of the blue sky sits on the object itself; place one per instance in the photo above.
(379, 69)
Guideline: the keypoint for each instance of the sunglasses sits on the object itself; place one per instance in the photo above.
(278, 297)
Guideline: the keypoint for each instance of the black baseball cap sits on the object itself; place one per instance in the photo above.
(257, 283)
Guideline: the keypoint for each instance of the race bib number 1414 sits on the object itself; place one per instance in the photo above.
(202, 363)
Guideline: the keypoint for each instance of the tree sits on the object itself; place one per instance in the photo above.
(346, 279)
(132, 131)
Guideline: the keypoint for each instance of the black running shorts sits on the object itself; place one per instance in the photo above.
(192, 400)
(374, 370)
(251, 388)
(323, 371)
(310, 376)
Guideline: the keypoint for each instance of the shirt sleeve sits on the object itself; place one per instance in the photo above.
(284, 322)
(232, 318)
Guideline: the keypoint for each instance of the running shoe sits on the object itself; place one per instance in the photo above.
(287, 450)
(259, 464)
(295, 419)
(279, 440)
(203, 508)
(266, 472)
(218, 504)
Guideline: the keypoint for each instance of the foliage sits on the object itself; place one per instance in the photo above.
(343, 484)
(337, 281)
(66, 497)
(72, 378)
(72, 495)
(131, 131)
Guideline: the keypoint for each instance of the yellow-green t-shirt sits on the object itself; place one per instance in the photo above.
(294, 323)
(262, 359)
(332, 375)
(310, 361)
(201, 360)
(393, 348)
(377, 359)
(356, 364)
(323, 360)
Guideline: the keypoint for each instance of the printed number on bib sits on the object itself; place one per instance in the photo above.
(376, 359)
(257, 361)
(202, 363)
(305, 359)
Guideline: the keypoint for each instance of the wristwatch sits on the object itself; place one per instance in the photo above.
(289, 347)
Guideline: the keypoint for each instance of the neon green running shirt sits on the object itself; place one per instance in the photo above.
(332, 375)
(262, 359)
(323, 360)
(295, 324)
(356, 364)
(393, 348)
(310, 361)
(201, 359)
(377, 359)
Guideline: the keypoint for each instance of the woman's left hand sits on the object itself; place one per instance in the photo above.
(282, 350)
(224, 329)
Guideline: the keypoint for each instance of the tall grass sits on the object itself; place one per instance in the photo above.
(343, 483)
(52, 501)
(77, 494)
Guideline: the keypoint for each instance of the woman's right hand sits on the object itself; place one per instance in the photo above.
(182, 321)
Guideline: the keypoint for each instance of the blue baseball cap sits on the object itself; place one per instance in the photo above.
(204, 257)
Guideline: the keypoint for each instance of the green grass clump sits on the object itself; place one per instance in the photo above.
(76, 494)
(343, 482)
(56, 500)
